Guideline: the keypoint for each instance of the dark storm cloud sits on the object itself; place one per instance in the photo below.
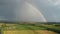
(7, 9)
(49, 8)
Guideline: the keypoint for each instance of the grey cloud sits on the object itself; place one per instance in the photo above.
(29, 12)
(49, 8)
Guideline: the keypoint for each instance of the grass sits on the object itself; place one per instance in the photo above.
(29, 32)
(52, 26)
(24, 28)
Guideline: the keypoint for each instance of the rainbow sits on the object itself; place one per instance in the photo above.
(29, 12)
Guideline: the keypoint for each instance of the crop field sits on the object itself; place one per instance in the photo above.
(29, 28)
(29, 32)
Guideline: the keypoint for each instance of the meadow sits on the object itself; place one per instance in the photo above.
(28, 28)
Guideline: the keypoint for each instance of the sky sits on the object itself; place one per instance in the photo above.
(30, 10)
(50, 9)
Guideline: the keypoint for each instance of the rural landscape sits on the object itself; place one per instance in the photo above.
(29, 28)
(29, 16)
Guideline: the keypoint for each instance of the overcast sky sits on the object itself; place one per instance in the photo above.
(50, 9)
(30, 10)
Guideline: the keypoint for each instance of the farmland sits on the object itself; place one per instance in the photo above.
(30, 28)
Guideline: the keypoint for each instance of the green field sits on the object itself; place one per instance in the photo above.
(49, 28)
(23, 27)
